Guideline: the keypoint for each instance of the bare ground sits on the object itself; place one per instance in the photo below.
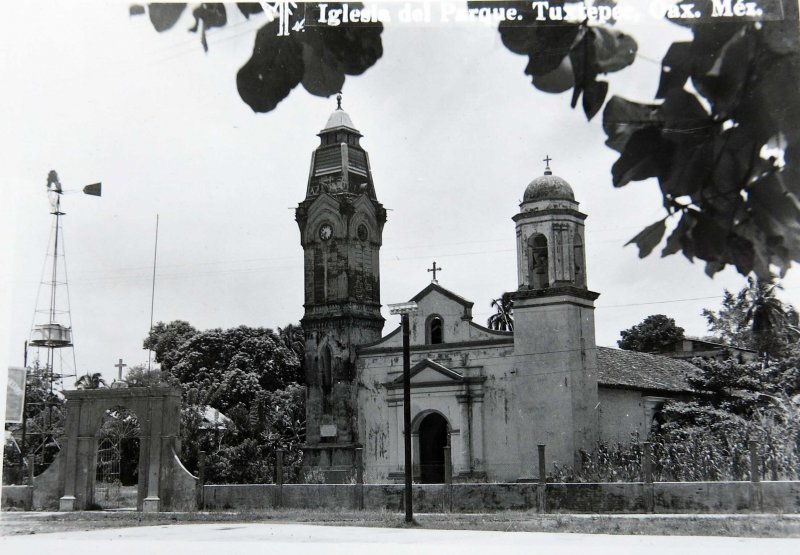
(752, 525)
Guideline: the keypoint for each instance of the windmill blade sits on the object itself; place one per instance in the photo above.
(94, 189)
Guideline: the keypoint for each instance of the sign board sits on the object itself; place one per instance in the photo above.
(15, 395)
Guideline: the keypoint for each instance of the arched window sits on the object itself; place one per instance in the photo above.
(435, 330)
(538, 269)
(580, 271)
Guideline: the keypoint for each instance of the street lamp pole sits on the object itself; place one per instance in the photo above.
(404, 309)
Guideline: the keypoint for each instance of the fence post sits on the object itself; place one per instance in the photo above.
(448, 477)
(756, 500)
(29, 497)
(360, 478)
(279, 476)
(541, 492)
(201, 481)
(647, 470)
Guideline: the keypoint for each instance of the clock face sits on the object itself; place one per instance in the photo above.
(325, 232)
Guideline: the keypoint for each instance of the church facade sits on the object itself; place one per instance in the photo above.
(492, 396)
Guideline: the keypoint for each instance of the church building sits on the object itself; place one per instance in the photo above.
(492, 396)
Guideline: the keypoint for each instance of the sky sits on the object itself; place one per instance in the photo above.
(454, 130)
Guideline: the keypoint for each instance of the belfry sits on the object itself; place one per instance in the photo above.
(341, 224)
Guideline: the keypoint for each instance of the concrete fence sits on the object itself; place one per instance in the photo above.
(544, 497)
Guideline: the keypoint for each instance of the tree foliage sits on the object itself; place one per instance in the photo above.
(252, 377)
(755, 318)
(722, 138)
(651, 334)
(164, 338)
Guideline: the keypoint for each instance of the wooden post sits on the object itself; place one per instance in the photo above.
(359, 478)
(541, 493)
(201, 481)
(756, 501)
(647, 471)
(279, 475)
(29, 497)
(448, 476)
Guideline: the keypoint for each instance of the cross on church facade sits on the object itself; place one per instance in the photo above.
(434, 269)
(120, 366)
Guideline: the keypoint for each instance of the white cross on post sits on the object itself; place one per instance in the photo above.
(120, 366)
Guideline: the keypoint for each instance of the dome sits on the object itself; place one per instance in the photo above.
(548, 187)
(339, 118)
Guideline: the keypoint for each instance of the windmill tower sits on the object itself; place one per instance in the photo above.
(50, 343)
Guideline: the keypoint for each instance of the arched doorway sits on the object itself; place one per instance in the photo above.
(432, 441)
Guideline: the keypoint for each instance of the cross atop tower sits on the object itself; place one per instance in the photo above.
(547, 160)
(339, 101)
(434, 269)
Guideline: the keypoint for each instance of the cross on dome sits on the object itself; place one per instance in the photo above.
(547, 160)
(339, 101)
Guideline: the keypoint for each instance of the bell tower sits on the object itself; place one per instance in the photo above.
(554, 338)
(341, 227)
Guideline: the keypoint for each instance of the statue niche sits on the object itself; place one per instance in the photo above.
(538, 277)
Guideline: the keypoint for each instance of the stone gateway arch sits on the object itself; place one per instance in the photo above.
(164, 484)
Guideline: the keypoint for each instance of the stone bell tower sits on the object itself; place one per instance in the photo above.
(341, 226)
(554, 339)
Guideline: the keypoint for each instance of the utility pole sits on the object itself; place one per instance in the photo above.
(404, 309)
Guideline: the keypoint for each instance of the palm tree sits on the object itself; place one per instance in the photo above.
(91, 381)
(504, 318)
(773, 324)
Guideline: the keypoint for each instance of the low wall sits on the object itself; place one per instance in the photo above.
(15, 497)
(637, 497)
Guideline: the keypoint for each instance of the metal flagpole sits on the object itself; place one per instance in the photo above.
(153, 294)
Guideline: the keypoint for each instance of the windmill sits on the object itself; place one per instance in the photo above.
(51, 335)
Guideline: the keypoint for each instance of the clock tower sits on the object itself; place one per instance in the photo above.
(341, 225)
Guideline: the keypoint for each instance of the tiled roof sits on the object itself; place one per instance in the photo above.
(633, 370)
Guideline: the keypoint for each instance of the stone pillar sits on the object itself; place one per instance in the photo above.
(68, 501)
(152, 503)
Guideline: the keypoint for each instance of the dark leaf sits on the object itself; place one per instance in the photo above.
(323, 75)
(211, 15)
(545, 42)
(136, 9)
(709, 39)
(777, 212)
(680, 234)
(646, 154)
(593, 97)
(685, 119)
(783, 36)
(621, 118)
(559, 80)
(614, 50)
(724, 81)
(649, 237)
(274, 69)
(249, 8)
(354, 47)
(688, 171)
(675, 68)
(164, 16)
